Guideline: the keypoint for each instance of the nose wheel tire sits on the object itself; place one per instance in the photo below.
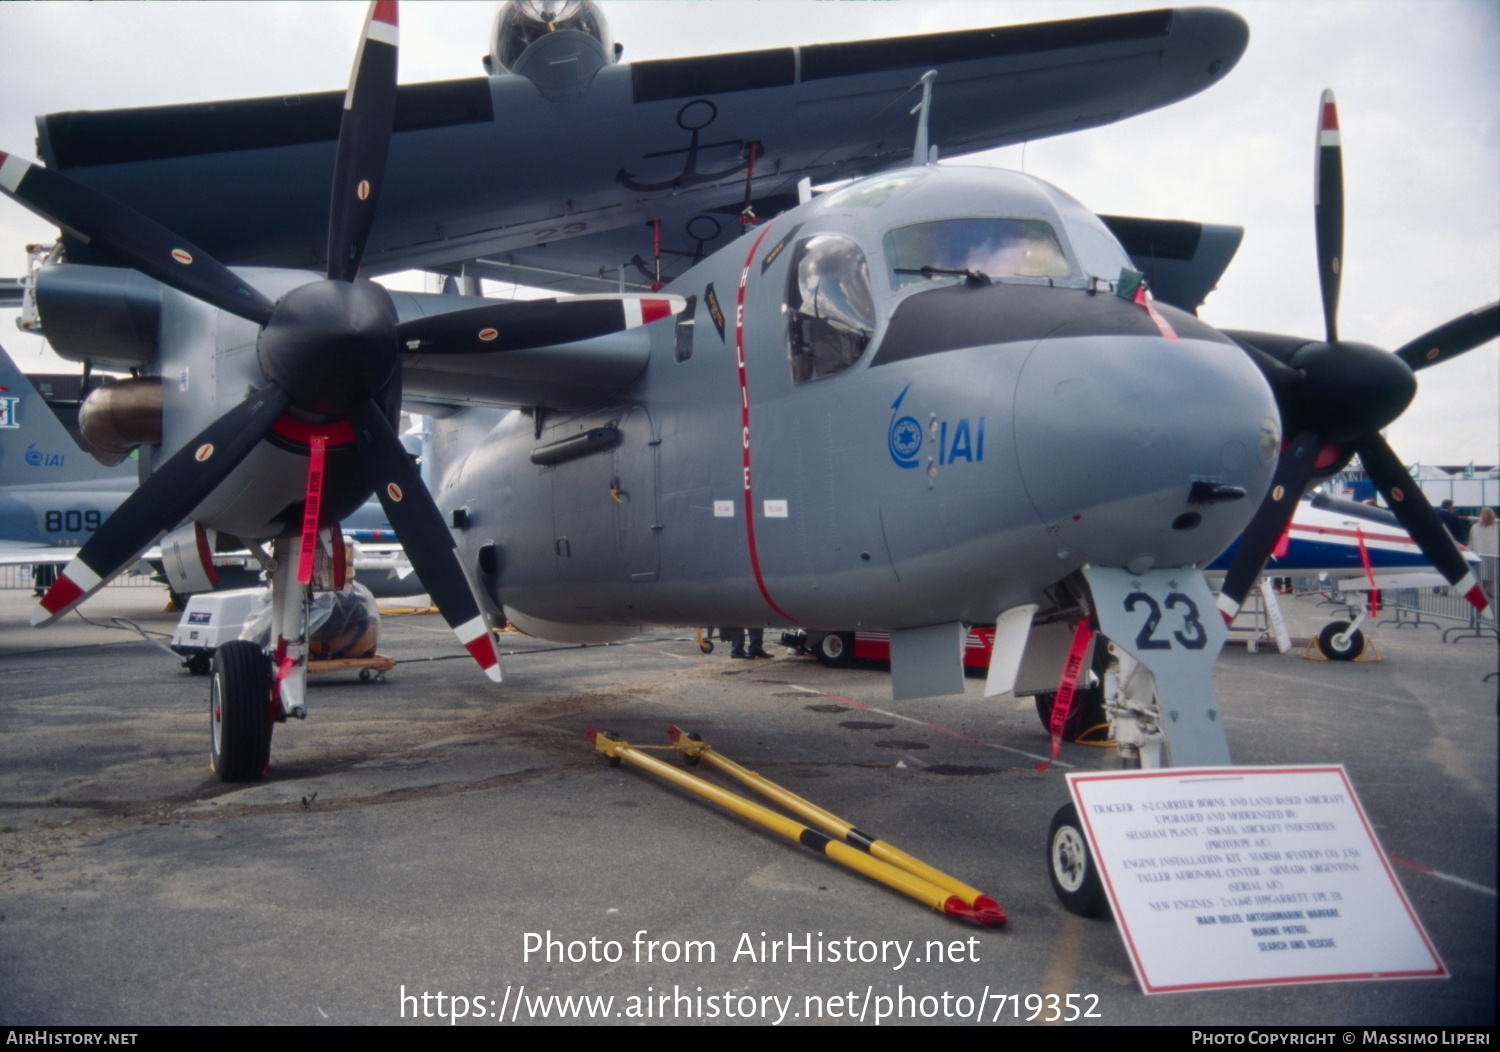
(239, 712)
(1070, 865)
(835, 649)
(1336, 646)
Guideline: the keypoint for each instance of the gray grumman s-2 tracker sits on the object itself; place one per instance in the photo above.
(932, 397)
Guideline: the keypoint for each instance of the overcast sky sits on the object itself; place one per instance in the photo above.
(1418, 86)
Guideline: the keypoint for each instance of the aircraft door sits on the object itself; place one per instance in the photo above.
(638, 527)
(604, 516)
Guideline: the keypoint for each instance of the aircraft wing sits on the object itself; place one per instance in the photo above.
(19, 553)
(486, 167)
(1182, 261)
(22, 553)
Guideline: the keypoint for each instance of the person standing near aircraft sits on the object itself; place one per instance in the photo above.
(1484, 541)
(736, 637)
(1453, 521)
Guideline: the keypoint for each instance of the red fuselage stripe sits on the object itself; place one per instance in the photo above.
(1334, 531)
(739, 353)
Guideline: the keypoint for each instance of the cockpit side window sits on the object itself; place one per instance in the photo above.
(830, 307)
(997, 248)
(520, 25)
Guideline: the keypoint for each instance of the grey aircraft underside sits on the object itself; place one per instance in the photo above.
(503, 167)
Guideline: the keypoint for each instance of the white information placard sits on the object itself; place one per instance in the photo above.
(1237, 876)
(1273, 613)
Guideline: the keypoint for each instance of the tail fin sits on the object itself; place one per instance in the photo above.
(34, 445)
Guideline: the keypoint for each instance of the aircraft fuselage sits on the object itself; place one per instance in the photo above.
(985, 442)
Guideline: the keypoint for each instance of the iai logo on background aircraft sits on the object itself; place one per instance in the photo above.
(36, 458)
(956, 440)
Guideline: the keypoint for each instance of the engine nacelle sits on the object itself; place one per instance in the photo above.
(104, 315)
(556, 44)
(187, 556)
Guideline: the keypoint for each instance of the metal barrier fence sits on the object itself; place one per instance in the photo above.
(19, 577)
(1445, 609)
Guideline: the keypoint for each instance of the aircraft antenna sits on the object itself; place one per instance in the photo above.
(920, 155)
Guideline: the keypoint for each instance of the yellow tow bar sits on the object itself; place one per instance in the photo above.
(854, 849)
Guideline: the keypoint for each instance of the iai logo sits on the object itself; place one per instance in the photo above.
(953, 439)
(36, 458)
(904, 439)
(8, 408)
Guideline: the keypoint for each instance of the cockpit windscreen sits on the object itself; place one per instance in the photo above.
(997, 248)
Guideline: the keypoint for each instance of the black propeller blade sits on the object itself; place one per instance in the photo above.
(329, 347)
(364, 141)
(1328, 212)
(420, 528)
(1415, 514)
(130, 237)
(522, 324)
(1294, 471)
(164, 500)
(1337, 395)
(1452, 338)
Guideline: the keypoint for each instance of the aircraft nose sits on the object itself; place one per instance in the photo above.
(1133, 449)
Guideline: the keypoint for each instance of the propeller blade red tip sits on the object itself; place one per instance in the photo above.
(75, 584)
(1328, 127)
(474, 634)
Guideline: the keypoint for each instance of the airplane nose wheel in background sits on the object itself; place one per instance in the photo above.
(1070, 866)
(239, 712)
(1337, 643)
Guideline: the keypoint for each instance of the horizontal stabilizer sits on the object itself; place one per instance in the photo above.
(1182, 261)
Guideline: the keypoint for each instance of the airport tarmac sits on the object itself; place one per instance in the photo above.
(411, 834)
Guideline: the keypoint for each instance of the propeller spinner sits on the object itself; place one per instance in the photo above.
(1336, 396)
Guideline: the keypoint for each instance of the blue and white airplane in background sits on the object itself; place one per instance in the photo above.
(1325, 537)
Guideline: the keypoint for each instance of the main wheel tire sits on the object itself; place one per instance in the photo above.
(1070, 866)
(1328, 642)
(835, 649)
(1088, 702)
(239, 712)
(1087, 712)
